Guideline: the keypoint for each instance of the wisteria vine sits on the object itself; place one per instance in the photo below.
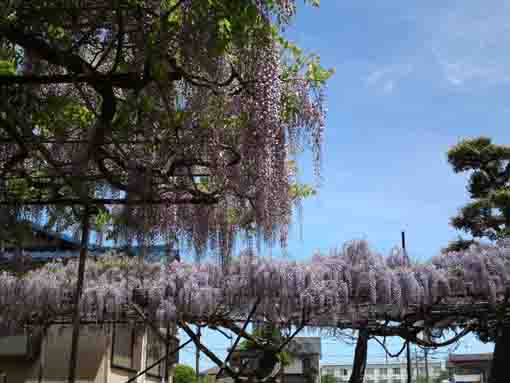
(353, 284)
(187, 109)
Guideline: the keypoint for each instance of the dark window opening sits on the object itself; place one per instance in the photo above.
(126, 347)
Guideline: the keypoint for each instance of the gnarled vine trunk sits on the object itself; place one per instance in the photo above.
(360, 358)
(501, 356)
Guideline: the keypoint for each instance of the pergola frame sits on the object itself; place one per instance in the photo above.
(93, 169)
(102, 148)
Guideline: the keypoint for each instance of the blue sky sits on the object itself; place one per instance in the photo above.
(412, 79)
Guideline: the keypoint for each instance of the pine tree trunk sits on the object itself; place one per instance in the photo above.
(360, 358)
(501, 356)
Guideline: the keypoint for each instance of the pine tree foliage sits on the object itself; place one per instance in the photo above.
(488, 215)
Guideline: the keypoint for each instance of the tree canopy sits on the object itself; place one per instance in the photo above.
(488, 215)
(173, 118)
(184, 374)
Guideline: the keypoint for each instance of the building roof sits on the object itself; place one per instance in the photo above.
(210, 371)
(213, 371)
(464, 358)
(69, 244)
(381, 364)
(306, 345)
(303, 346)
(64, 246)
(66, 238)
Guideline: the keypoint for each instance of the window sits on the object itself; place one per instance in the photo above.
(306, 364)
(383, 371)
(436, 370)
(422, 371)
(396, 371)
(383, 381)
(467, 371)
(126, 347)
(156, 349)
(340, 372)
(370, 371)
(396, 381)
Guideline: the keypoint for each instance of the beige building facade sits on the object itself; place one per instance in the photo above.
(106, 354)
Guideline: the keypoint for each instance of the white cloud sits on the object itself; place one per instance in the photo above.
(461, 44)
(375, 76)
(470, 43)
(389, 86)
(386, 78)
(465, 72)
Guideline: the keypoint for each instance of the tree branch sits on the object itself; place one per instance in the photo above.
(205, 350)
(386, 349)
(227, 359)
(159, 361)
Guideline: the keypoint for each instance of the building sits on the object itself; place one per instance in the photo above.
(392, 372)
(305, 366)
(40, 245)
(470, 368)
(209, 376)
(305, 355)
(107, 354)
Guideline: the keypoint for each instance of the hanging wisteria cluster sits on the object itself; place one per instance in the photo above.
(351, 284)
(480, 271)
(174, 117)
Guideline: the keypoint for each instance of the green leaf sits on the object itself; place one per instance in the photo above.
(7, 67)
(102, 219)
(300, 191)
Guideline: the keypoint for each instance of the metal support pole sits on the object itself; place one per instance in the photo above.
(426, 351)
(42, 355)
(197, 356)
(408, 351)
(167, 352)
(404, 248)
(409, 369)
(416, 363)
(77, 295)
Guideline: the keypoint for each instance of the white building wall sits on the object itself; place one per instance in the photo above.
(383, 373)
(296, 367)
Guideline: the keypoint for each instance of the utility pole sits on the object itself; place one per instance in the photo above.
(404, 248)
(408, 347)
(197, 357)
(385, 354)
(409, 369)
(167, 351)
(416, 363)
(426, 352)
